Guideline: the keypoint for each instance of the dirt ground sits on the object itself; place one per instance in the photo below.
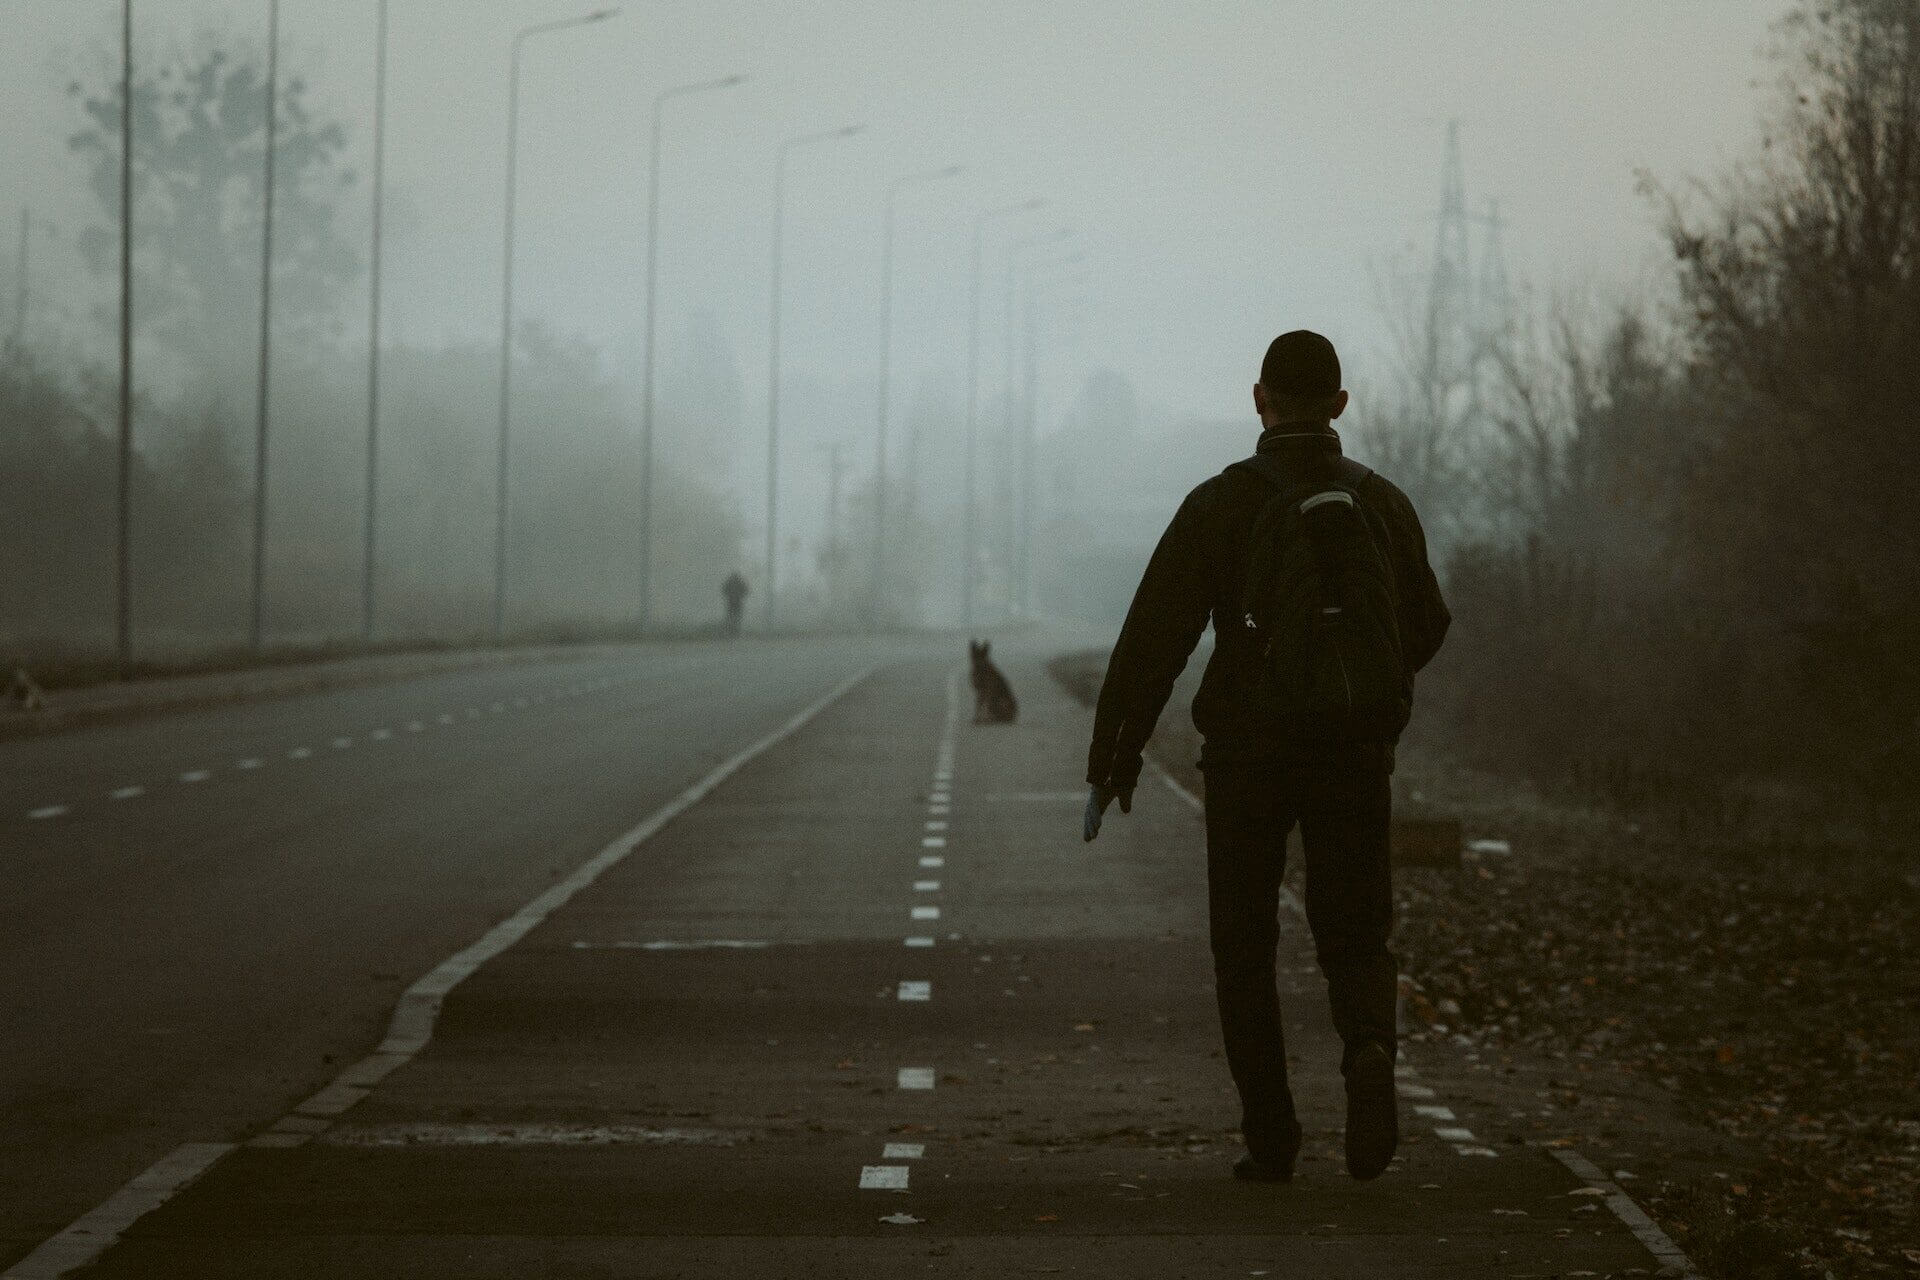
(1736, 1024)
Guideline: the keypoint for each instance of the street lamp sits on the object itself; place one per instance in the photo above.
(123, 560)
(261, 382)
(1022, 572)
(646, 393)
(373, 321)
(506, 308)
(973, 394)
(886, 354)
(773, 344)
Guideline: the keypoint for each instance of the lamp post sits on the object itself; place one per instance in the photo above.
(123, 567)
(373, 322)
(262, 381)
(1003, 488)
(773, 348)
(646, 377)
(886, 365)
(973, 395)
(506, 308)
(1022, 574)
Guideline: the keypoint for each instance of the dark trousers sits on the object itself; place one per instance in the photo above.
(1343, 819)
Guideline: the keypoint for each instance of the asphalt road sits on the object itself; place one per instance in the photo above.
(206, 913)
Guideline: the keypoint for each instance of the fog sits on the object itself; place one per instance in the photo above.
(1224, 172)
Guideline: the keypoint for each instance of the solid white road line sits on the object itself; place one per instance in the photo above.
(90, 1235)
(47, 811)
(903, 1150)
(126, 793)
(1645, 1230)
(883, 1177)
(914, 990)
(925, 913)
(407, 1032)
(916, 1078)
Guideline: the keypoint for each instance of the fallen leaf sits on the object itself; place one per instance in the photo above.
(1046, 1217)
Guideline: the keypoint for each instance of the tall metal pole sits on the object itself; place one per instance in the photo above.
(773, 353)
(506, 312)
(373, 328)
(1029, 499)
(262, 382)
(973, 400)
(1003, 483)
(646, 378)
(20, 303)
(886, 361)
(123, 566)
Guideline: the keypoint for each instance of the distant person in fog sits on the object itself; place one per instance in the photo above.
(1313, 570)
(734, 589)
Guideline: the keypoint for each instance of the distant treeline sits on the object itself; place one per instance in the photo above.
(1691, 573)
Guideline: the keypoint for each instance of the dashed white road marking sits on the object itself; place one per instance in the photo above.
(933, 860)
(936, 824)
(926, 886)
(497, 707)
(251, 762)
(903, 1151)
(299, 753)
(1434, 1113)
(939, 808)
(1413, 1090)
(933, 842)
(195, 775)
(408, 1031)
(414, 726)
(381, 735)
(126, 793)
(1451, 1134)
(919, 940)
(341, 744)
(911, 989)
(883, 1177)
(47, 811)
(697, 944)
(925, 913)
(940, 797)
(916, 1078)
(445, 717)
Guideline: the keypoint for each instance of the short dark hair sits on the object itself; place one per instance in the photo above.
(1301, 367)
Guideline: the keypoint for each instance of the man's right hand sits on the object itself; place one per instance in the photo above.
(1098, 798)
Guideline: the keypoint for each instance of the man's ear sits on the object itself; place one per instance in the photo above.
(1338, 405)
(1260, 400)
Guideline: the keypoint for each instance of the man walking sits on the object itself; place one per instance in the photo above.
(1314, 572)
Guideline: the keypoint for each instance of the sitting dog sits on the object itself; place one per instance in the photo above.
(993, 701)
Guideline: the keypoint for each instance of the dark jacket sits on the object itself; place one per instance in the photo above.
(1197, 572)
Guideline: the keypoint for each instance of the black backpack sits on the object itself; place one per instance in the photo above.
(1319, 605)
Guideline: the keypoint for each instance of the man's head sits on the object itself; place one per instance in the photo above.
(1299, 382)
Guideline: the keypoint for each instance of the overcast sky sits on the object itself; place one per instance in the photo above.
(1231, 169)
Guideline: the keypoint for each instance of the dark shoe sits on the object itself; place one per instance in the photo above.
(1373, 1121)
(1247, 1169)
(1278, 1164)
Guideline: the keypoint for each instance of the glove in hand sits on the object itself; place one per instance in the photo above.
(1098, 798)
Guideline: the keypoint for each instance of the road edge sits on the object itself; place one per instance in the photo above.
(408, 1032)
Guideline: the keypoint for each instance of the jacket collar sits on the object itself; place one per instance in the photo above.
(1291, 439)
